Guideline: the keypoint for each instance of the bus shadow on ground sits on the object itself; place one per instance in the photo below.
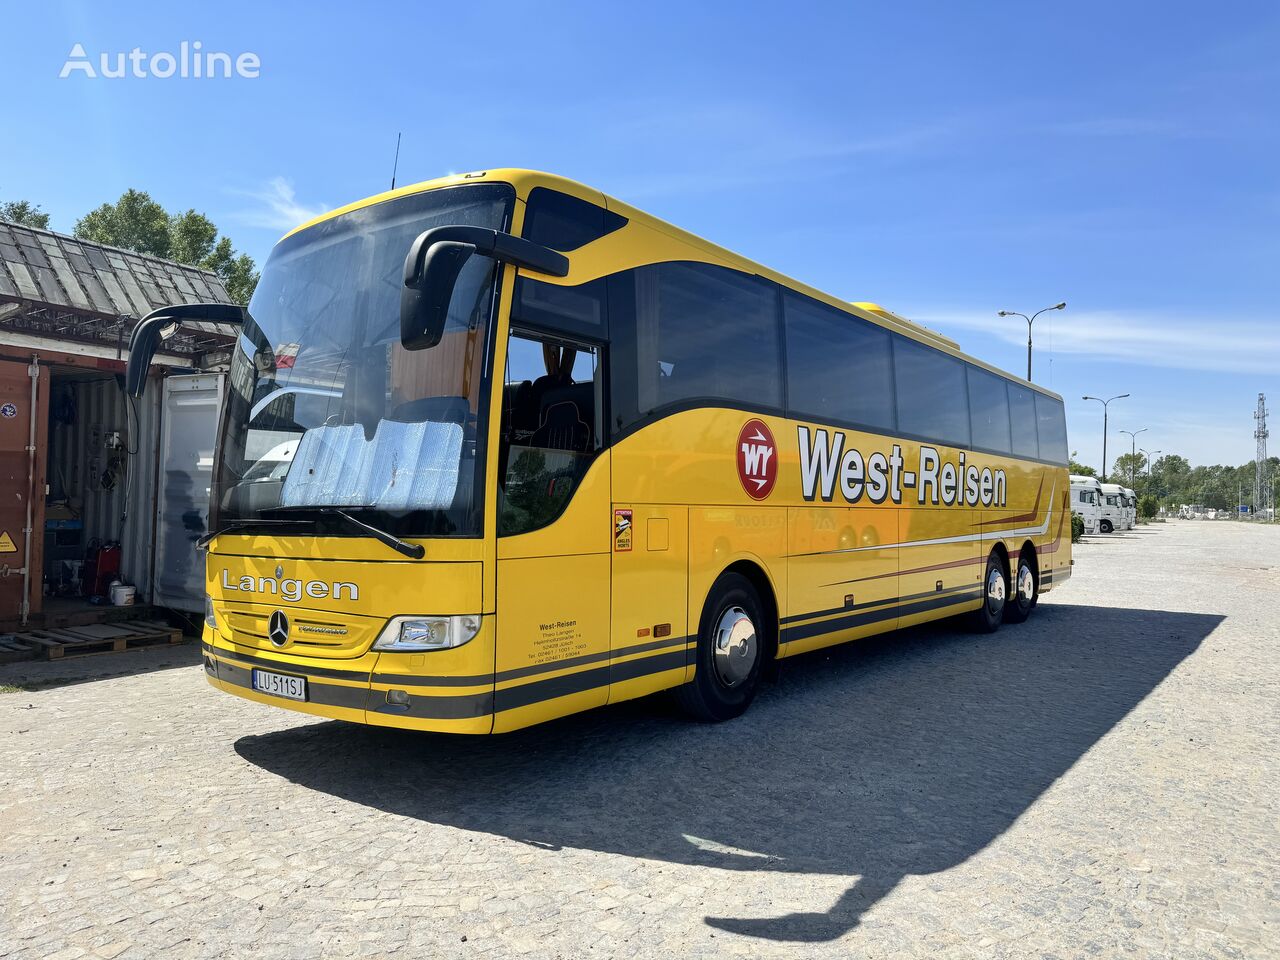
(900, 755)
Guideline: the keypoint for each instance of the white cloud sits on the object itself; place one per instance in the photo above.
(1207, 343)
(277, 206)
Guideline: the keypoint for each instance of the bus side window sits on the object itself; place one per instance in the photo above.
(692, 334)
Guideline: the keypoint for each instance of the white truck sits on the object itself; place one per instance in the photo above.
(1086, 500)
(1115, 516)
(1131, 507)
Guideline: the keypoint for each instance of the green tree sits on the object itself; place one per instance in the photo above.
(237, 271)
(1077, 527)
(1078, 468)
(1148, 507)
(136, 222)
(1128, 468)
(25, 213)
(191, 237)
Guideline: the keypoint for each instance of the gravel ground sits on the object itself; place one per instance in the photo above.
(1099, 782)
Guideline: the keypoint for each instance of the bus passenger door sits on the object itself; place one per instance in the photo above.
(650, 631)
(554, 537)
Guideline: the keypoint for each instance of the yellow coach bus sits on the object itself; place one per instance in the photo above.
(498, 448)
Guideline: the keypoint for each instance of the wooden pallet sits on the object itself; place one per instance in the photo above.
(54, 644)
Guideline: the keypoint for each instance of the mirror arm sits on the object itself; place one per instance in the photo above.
(147, 334)
(488, 243)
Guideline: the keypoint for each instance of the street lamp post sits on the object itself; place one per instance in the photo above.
(1133, 449)
(1030, 320)
(1104, 403)
(1150, 455)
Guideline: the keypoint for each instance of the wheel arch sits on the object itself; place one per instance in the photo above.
(1029, 549)
(756, 574)
(1001, 551)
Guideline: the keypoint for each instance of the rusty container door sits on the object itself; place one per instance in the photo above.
(22, 486)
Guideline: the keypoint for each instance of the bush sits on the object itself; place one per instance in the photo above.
(1077, 527)
(1148, 507)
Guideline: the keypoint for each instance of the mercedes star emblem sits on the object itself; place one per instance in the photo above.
(279, 571)
(278, 628)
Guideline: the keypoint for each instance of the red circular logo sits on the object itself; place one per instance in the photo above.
(757, 459)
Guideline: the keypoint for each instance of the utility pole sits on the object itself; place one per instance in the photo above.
(1105, 404)
(1133, 450)
(1030, 320)
(1260, 458)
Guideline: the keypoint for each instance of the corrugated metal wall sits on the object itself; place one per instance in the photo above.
(78, 455)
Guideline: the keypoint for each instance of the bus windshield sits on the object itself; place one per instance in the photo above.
(327, 410)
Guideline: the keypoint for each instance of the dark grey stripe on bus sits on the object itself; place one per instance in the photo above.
(800, 617)
(533, 670)
(310, 671)
(805, 631)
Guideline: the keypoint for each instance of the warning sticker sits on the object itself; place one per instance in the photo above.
(622, 532)
(6, 543)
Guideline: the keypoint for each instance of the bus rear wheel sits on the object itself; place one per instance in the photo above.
(995, 590)
(1026, 590)
(731, 645)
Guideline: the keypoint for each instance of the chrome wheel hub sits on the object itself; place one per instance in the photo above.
(995, 589)
(735, 646)
(1026, 584)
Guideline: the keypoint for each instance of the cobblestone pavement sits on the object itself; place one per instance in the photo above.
(1099, 782)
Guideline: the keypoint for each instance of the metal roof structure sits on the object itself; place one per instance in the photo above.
(59, 287)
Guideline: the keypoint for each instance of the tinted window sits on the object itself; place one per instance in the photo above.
(1022, 421)
(1051, 426)
(988, 410)
(577, 309)
(931, 391)
(564, 223)
(691, 331)
(839, 367)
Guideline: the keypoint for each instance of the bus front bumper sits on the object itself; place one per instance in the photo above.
(374, 689)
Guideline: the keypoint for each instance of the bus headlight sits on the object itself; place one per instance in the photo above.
(412, 634)
(209, 619)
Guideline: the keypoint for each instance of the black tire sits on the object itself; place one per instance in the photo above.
(1018, 606)
(995, 588)
(1105, 526)
(723, 690)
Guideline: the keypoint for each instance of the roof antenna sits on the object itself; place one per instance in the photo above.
(395, 165)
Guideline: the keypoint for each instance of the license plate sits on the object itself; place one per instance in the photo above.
(280, 685)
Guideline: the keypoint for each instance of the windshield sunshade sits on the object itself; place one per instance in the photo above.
(406, 466)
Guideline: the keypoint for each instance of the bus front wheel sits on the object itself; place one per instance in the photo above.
(995, 591)
(731, 644)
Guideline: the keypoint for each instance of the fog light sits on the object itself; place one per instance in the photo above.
(427, 633)
(398, 698)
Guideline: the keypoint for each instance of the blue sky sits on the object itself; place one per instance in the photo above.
(946, 160)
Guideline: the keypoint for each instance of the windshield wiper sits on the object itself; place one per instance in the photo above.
(242, 524)
(414, 551)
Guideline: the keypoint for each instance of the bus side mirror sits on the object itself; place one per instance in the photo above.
(433, 263)
(424, 300)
